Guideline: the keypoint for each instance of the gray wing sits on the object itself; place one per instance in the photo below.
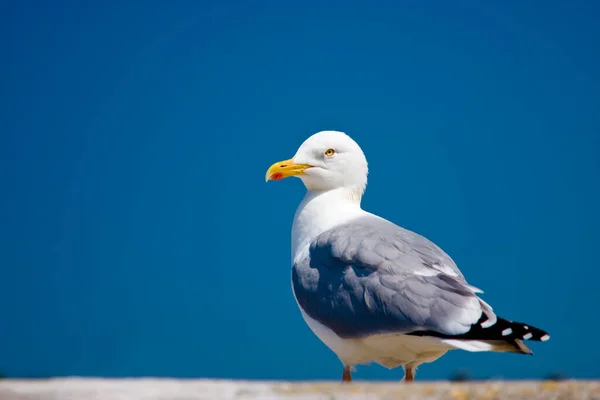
(372, 276)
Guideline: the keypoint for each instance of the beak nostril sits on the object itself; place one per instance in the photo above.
(283, 166)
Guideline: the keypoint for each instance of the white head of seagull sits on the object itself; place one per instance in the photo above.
(326, 161)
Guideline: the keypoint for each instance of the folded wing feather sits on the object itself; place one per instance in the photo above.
(371, 276)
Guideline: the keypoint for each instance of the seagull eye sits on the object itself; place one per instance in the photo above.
(329, 152)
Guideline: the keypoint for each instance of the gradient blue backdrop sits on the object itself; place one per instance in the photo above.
(137, 235)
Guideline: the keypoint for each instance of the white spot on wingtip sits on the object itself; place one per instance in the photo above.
(506, 332)
(488, 323)
(528, 336)
(525, 326)
(545, 337)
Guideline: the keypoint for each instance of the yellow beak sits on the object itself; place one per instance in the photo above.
(284, 169)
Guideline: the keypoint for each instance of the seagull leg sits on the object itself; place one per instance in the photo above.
(346, 376)
(409, 374)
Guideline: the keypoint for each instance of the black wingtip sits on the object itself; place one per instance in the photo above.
(502, 329)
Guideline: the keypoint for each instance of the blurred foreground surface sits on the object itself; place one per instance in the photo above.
(173, 389)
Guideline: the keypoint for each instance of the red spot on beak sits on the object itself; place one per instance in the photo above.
(277, 176)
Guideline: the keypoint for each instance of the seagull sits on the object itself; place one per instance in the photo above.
(370, 290)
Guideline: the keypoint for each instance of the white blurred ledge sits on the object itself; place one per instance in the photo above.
(176, 389)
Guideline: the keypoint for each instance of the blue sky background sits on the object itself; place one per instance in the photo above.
(137, 235)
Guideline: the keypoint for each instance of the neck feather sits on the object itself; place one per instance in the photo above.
(323, 210)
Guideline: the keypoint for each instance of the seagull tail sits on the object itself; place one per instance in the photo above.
(502, 336)
(508, 346)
